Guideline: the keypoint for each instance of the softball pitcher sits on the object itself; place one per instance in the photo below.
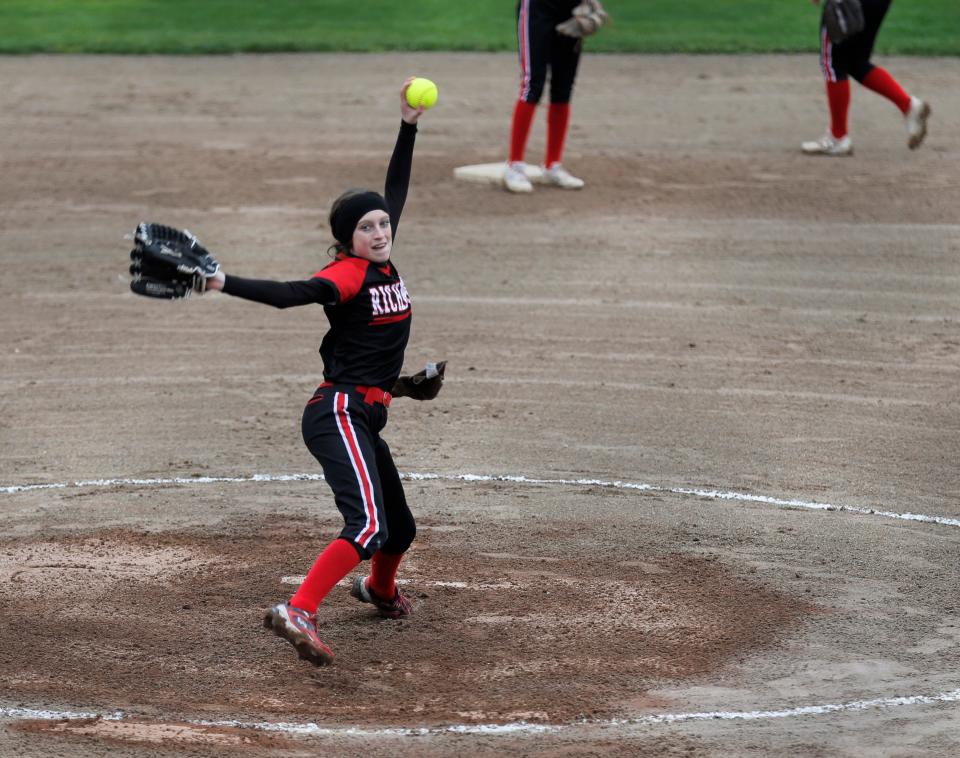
(851, 57)
(369, 312)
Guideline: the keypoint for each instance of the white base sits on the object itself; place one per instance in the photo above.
(492, 173)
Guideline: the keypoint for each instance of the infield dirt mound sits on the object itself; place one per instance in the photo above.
(159, 619)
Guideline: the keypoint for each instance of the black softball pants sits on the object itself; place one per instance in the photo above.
(542, 47)
(342, 431)
(852, 56)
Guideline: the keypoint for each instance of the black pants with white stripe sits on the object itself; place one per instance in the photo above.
(852, 56)
(541, 47)
(343, 433)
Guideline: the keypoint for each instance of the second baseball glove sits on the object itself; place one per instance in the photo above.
(587, 18)
(843, 19)
(169, 263)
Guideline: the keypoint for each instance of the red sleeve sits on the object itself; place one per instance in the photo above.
(346, 275)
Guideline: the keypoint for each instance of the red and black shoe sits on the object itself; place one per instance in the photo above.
(399, 607)
(298, 628)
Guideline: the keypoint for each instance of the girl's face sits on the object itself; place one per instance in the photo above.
(373, 237)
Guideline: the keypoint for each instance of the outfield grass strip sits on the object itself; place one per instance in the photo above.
(920, 27)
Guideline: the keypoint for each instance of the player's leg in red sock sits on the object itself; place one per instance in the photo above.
(882, 82)
(383, 574)
(523, 113)
(838, 96)
(558, 121)
(338, 559)
(400, 525)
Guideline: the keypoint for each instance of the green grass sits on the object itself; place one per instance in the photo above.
(921, 27)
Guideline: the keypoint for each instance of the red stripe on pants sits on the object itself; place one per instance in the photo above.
(826, 56)
(359, 467)
(523, 41)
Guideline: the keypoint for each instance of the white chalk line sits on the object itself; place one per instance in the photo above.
(298, 580)
(312, 729)
(519, 727)
(511, 478)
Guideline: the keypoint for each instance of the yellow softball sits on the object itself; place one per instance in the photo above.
(422, 93)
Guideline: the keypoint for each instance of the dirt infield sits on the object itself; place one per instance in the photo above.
(714, 314)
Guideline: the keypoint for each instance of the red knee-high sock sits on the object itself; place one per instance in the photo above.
(558, 118)
(338, 559)
(383, 572)
(523, 113)
(838, 95)
(881, 82)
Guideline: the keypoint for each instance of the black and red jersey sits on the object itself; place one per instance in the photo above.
(369, 324)
(366, 303)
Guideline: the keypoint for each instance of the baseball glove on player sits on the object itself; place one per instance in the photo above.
(587, 18)
(168, 263)
(424, 385)
(843, 19)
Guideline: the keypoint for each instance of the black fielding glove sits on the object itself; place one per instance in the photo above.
(424, 385)
(168, 263)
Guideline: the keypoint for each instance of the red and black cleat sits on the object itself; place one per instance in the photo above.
(298, 628)
(399, 607)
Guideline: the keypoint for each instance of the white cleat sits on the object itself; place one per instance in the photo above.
(558, 176)
(916, 120)
(828, 145)
(515, 178)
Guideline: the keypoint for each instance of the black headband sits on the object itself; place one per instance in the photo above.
(351, 210)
